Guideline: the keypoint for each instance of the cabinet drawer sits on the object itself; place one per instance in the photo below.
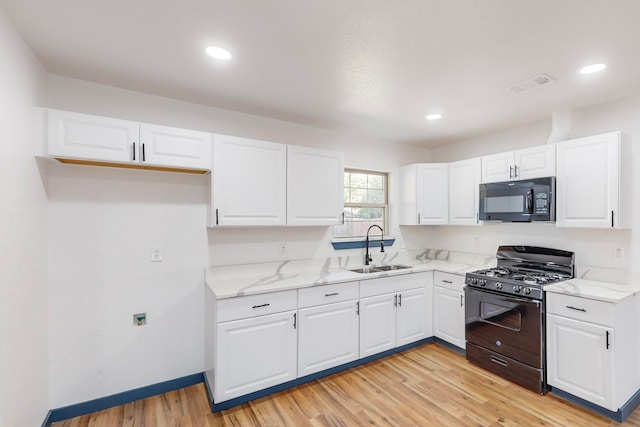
(451, 281)
(383, 285)
(327, 294)
(255, 305)
(588, 310)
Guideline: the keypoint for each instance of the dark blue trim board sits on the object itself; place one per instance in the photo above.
(450, 346)
(216, 407)
(618, 416)
(99, 404)
(355, 244)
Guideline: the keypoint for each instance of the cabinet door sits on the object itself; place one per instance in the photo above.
(167, 146)
(249, 182)
(432, 193)
(497, 167)
(253, 354)
(464, 180)
(82, 136)
(315, 186)
(448, 315)
(535, 162)
(377, 324)
(580, 359)
(412, 313)
(327, 336)
(587, 184)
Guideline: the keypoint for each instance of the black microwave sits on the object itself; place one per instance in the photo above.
(519, 201)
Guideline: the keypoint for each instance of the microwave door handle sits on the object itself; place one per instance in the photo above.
(530, 201)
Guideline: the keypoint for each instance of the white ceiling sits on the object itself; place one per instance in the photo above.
(370, 67)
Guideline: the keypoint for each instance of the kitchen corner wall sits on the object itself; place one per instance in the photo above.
(593, 247)
(24, 375)
(103, 222)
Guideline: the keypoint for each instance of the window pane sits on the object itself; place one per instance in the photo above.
(358, 195)
(359, 180)
(375, 196)
(376, 181)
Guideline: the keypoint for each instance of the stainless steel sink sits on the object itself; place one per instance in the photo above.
(379, 269)
(391, 267)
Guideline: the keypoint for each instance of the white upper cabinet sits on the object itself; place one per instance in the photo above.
(589, 188)
(168, 146)
(464, 181)
(529, 163)
(315, 186)
(103, 139)
(424, 194)
(82, 136)
(249, 182)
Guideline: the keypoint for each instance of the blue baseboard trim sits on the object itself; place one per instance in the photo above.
(99, 404)
(618, 416)
(361, 243)
(216, 407)
(450, 346)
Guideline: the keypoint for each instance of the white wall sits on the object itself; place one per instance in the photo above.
(592, 247)
(23, 232)
(103, 222)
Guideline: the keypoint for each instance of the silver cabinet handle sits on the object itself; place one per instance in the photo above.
(510, 171)
(332, 294)
(133, 151)
(498, 361)
(446, 281)
(399, 300)
(576, 308)
(461, 300)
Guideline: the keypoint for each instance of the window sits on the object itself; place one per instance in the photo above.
(365, 203)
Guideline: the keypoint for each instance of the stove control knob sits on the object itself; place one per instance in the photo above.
(482, 282)
(527, 291)
(498, 285)
(474, 281)
(517, 288)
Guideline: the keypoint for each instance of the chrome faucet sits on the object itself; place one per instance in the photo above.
(367, 257)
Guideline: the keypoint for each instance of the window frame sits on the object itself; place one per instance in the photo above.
(383, 206)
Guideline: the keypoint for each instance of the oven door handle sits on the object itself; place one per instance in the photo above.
(511, 297)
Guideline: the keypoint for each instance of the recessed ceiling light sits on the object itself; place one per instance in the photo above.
(434, 116)
(218, 53)
(593, 68)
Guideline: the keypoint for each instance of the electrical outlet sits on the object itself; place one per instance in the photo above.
(156, 254)
(282, 248)
(618, 253)
(139, 319)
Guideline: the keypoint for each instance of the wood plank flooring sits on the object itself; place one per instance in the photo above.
(425, 386)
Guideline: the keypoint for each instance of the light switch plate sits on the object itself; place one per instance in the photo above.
(156, 254)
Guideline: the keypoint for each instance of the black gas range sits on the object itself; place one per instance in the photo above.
(505, 309)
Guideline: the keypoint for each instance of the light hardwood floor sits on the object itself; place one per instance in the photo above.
(425, 386)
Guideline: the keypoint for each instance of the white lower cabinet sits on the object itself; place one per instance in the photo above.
(327, 333)
(255, 353)
(448, 308)
(591, 349)
(394, 311)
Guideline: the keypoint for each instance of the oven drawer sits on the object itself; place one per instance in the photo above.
(573, 307)
(519, 373)
(451, 281)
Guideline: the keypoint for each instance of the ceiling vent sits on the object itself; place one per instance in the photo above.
(531, 84)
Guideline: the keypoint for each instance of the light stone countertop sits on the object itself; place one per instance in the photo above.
(250, 279)
(599, 284)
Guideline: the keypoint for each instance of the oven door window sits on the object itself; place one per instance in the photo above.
(501, 315)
